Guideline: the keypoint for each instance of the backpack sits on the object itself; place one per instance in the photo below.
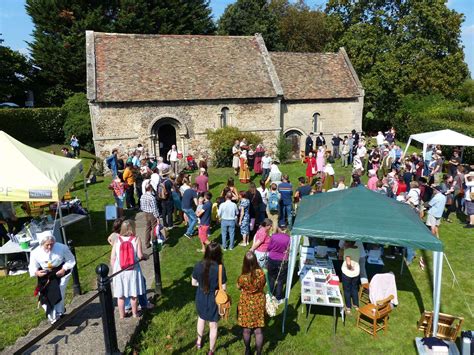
(127, 253)
(273, 201)
(162, 192)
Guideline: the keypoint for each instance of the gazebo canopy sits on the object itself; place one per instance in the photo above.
(364, 215)
(443, 137)
(29, 174)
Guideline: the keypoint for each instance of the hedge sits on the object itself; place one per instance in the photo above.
(34, 124)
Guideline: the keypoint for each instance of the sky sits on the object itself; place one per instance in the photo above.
(16, 26)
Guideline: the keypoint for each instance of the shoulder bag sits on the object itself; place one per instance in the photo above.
(223, 300)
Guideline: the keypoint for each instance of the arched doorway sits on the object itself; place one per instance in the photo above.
(164, 136)
(293, 137)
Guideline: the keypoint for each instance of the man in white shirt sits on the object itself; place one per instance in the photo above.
(266, 165)
(227, 214)
(380, 139)
(172, 157)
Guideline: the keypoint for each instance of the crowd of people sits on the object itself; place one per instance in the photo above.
(262, 214)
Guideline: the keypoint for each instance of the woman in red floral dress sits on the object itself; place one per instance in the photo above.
(251, 308)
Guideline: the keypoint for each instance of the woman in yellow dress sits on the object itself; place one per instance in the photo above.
(244, 173)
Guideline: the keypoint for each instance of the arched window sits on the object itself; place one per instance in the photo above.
(224, 116)
(315, 122)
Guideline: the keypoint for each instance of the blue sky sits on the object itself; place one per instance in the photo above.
(16, 26)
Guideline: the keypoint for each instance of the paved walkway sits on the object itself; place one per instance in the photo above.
(84, 333)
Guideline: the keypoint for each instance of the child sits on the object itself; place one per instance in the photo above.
(115, 231)
(199, 207)
(204, 216)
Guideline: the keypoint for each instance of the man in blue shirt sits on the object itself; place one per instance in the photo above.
(228, 216)
(286, 200)
(111, 162)
(188, 202)
(437, 204)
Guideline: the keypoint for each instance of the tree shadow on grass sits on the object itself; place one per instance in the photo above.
(274, 334)
(180, 292)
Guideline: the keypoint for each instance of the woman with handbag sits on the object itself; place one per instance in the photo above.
(251, 308)
(206, 278)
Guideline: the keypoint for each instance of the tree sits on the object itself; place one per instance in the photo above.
(14, 73)
(78, 120)
(302, 29)
(58, 46)
(400, 48)
(247, 17)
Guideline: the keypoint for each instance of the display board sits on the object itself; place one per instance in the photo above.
(319, 283)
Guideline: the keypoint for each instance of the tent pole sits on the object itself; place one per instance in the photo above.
(462, 153)
(85, 189)
(293, 253)
(406, 148)
(63, 230)
(438, 270)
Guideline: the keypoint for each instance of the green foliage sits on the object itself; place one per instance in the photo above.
(58, 45)
(283, 148)
(400, 48)
(14, 72)
(221, 141)
(303, 29)
(247, 17)
(78, 121)
(432, 113)
(466, 94)
(34, 124)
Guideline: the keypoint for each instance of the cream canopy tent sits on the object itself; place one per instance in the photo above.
(443, 137)
(29, 174)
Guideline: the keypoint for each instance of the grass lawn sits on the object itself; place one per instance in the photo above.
(170, 328)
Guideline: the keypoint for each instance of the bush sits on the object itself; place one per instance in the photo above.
(34, 124)
(221, 141)
(78, 121)
(418, 114)
(283, 148)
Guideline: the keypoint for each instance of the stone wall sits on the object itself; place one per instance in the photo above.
(341, 117)
(124, 125)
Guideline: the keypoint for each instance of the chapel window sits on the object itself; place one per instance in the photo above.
(224, 116)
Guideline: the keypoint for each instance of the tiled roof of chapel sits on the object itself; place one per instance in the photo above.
(306, 76)
(177, 67)
(137, 68)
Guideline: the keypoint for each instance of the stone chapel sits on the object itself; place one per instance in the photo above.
(160, 90)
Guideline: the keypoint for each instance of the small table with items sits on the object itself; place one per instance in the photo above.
(25, 241)
(319, 282)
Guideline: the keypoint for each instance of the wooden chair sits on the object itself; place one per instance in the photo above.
(32, 210)
(364, 294)
(374, 317)
(448, 325)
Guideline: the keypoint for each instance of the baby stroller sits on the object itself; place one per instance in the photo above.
(191, 163)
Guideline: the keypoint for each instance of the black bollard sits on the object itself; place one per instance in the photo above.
(76, 285)
(107, 305)
(157, 267)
